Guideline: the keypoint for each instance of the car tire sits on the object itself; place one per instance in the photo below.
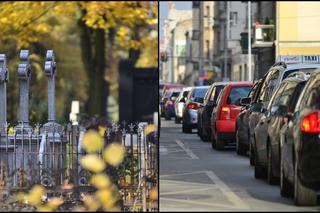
(251, 153)
(240, 148)
(167, 117)
(186, 128)
(259, 170)
(220, 142)
(177, 120)
(205, 137)
(286, 188)
(271, 178)
(303, 196)
(213, 141)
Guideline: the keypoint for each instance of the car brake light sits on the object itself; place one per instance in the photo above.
(311, 123)
(225, 113)
(192, 106)
(169, 102)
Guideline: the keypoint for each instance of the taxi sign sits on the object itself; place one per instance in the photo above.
(299, 59)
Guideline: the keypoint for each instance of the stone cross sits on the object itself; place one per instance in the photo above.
(4, 77)
(50, 70)
(24, 75)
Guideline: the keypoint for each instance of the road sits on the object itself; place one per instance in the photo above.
(194, 177)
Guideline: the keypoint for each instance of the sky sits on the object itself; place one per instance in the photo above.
(180, 5)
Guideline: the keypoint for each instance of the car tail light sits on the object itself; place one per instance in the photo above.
(169, 102)
(225, 113)
(311, 123)
(192, 106)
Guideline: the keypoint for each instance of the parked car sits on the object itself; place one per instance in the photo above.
(179, 104)
(242, 121)
(300, 145)
(271, 81)
(267, 131)
(204, 112)
(223, 118)
(189, 115)
(168, 100)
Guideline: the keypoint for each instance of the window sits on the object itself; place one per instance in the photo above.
(233, 18)
(295, 95)
(195, 4)
(200, 92)
(236, 93)
(207, 11)
(195, 34)
(208, 48)
(269, 85)
(215, 93)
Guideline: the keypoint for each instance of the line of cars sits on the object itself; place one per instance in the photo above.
(275, 120)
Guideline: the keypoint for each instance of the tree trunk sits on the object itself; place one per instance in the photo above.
(93, 57)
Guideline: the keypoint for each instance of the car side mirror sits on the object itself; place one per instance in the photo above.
(245, 101)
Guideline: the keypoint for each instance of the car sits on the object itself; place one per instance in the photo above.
(270, 82)
(179, 104)
(189, 115)
(242, 121)
(300, 145)
(267, 131)
(204, 112)
(170, 97)
(163, 99)
(223, 117)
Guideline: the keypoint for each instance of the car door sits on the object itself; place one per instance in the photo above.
(216, 109)
(211, 103)
(201, 110)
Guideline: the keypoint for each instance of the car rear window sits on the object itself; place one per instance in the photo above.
(285, 75)
(175, 94)
(199, 92)
(185, 94)
(236, 93)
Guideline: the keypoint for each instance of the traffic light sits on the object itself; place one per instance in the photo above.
(163, 56)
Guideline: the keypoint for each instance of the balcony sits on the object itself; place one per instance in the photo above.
(263, 36)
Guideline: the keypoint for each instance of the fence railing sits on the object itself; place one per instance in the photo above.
(51, 157)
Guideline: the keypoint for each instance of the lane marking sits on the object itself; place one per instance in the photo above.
(189, 190)
(188, 151)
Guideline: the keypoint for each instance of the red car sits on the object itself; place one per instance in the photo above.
(224, 115)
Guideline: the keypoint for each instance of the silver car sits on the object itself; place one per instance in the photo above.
(190, 109)
(180, 102)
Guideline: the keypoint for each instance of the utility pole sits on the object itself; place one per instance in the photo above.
(249, 42)
(226, 38)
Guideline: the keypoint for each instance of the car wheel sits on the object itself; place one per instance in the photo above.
(167, 117)
(177, 120)
(213, 141)
(286, 189)
(220, 142)
(205, 137)
(303, 196)
(259, 170)
(185, 128)
(272, 180)
(240, 149)
(251, 154)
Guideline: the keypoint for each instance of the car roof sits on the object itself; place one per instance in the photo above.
(200, 87)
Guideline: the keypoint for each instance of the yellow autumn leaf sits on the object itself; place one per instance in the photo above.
(114, 154)
(55, 202)
(92, 141)
(100, 181)
(91, 203)
(104, 195)
(150, 128)
(93, 163)
(35, 195)
(154, 193)
(102, 130)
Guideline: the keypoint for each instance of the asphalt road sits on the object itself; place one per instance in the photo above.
(194, 177)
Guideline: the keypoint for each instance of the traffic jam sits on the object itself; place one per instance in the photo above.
(274, 121)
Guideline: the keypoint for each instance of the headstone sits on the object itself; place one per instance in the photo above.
(24, 76)
(51, 127)
(4, 77)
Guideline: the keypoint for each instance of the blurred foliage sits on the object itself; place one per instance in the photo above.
(39, 26)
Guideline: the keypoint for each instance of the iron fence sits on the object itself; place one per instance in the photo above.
(50, 156)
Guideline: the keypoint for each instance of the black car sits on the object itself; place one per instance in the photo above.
(271, 81)
(168, 101)
(204, 113)
(242, 125)
(300, 146)
(267, 131)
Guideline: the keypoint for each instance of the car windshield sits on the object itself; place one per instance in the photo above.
(199, 92)
(287, 73)
(238, 92)
(175, 94)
